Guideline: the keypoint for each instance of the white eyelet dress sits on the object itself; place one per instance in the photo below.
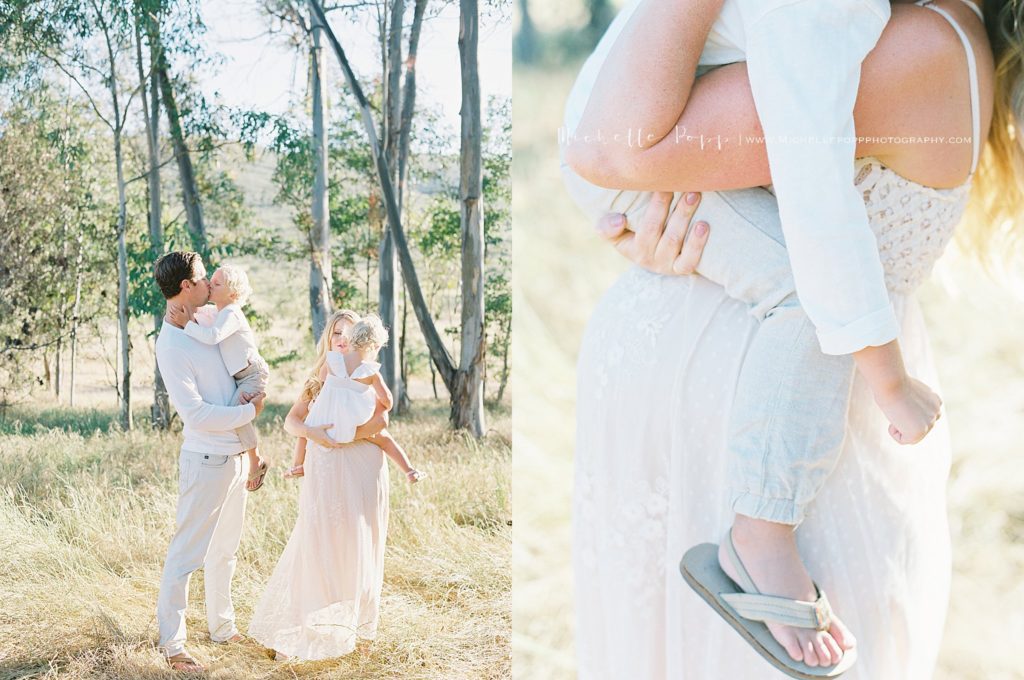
(656, 377)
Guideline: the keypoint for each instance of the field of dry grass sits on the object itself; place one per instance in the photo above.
(562, 269)
(86, 513)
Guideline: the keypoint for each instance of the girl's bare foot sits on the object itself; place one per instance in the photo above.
(768, 551)
(294, 472)
(414, 475)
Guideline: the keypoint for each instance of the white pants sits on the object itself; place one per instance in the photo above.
(211, 505)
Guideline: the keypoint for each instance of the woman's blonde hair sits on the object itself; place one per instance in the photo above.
(236, 281)
(368, 334)
(313, 384)
(990, 231)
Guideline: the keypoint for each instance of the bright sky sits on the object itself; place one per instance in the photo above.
(264, 73)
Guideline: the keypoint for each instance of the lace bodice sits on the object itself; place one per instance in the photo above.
(912, 222)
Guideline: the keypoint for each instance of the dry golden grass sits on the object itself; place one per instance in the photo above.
(86, 515)
(562, 269)
(87, 511)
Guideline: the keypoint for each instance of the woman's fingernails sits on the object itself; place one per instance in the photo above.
(691, 198)
(618, 220)
(702, 229)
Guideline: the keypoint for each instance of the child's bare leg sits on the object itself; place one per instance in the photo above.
(645, 81)
(298, 459)
(393, 451)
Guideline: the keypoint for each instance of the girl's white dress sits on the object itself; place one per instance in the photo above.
(342, 400)
(325, 591)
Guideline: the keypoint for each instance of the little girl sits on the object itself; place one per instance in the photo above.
(223, 324)
(352, 390)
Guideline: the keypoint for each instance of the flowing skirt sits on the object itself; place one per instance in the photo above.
(656, 377)
(325, 590)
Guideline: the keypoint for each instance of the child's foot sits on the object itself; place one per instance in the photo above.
(294, 472)
(414, 475)
(768, 551)
(256, 475)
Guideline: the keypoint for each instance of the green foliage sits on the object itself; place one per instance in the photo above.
(53, 224)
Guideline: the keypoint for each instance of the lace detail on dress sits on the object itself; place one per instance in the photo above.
(912, 223)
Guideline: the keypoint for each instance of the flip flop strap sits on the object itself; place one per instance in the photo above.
(743, 581)
(798, 613)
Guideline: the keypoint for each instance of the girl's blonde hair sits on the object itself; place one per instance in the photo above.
(236, 281)
(368, 334)
(991, 231)
(313, 384)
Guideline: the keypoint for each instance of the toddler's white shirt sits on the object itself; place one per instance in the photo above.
(229, 330)
(200, 389)
(803, 58)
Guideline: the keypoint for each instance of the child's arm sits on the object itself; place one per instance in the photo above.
(228, 322)
(384, 395)
(804, 88)
(911, 406)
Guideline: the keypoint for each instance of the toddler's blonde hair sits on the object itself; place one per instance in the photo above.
(237, 283)
(368, 334)
(313, 384)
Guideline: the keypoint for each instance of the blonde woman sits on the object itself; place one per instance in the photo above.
(324, 593)
(352, 391)
(875, 537)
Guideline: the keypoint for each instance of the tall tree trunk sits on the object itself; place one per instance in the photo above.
(320, 275)
(506, 341)
(524, 46)
(391, 132)
(467, 401)
(62, 314)
(438, 353)
(125, 391)
(74, 320)
(189, 188)
(160, 413)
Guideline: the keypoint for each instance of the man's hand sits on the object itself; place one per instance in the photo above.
(660, 242)
(318, 434)
(255, 399)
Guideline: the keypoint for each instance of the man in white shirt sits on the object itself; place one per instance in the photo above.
(212, 474)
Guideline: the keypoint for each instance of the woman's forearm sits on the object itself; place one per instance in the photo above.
(718, 144)
(645, 80)
(295, 426)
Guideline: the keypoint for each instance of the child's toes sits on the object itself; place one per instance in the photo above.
(841, 634)
(807, 646)
(835, 652)
(792, 646)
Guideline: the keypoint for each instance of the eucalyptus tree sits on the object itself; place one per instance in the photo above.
(88, 42)
(466, 401)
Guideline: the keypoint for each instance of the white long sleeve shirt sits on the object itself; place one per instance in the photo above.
(803, 58)
(229, 331)
(200, 389)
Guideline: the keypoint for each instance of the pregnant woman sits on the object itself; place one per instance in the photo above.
(660, 360)
(324, 594)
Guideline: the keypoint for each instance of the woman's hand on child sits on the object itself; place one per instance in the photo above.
(912, 411)
(318, 434)
(660, 242)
